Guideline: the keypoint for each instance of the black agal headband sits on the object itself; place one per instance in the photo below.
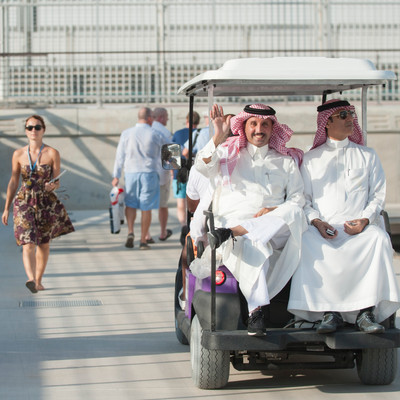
(259, 111)
(334, 104)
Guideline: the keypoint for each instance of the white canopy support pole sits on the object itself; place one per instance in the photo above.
(364, 112)
(210, 90)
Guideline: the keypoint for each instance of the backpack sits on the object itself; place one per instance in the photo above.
(183, 173)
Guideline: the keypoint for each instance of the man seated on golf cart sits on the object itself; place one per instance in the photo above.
(345, 272)
(257, 201)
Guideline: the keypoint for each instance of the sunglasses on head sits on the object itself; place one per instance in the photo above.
(34, 127)
(344, 114)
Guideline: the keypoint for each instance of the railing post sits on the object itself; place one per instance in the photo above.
(364, 112)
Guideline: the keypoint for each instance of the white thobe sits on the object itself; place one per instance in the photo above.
(344, 181)
(261, 178)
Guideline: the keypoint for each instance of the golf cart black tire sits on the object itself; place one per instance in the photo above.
(179, 334)
(377, 366)
(178, 286)
(210, 368)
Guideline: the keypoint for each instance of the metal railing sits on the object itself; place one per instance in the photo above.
(97, 51)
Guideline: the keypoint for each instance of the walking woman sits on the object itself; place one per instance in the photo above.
(38, 214)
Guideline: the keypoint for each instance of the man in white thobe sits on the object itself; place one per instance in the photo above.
(257, 200)
(345, 271)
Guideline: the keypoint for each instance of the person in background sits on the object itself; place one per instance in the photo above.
(178, 187)
(38, 214)
(345, 272)
(199, 139)
(139, 154)
(159, 125)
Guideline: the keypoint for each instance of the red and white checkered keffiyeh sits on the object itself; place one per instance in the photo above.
(323, 116)
(281, 134)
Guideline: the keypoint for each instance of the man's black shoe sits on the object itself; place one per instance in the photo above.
(219, 236)
(330, 322)
(366, 323)
(256, 324)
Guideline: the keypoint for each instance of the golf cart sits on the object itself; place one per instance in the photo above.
(214, 321)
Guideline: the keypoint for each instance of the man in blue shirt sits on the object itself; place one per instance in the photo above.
(200, 137)
(179, 188)
(138, 153)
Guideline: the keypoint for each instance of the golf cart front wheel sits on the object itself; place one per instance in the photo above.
(377, 366)
(178, 286)
(210, 368)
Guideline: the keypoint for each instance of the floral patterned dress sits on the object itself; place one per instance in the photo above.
(38, 215)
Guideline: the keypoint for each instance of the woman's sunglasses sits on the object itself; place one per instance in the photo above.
(343, 114)
(34, 127)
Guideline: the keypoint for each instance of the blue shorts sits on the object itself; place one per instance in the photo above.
(179, 189)
(142, 190)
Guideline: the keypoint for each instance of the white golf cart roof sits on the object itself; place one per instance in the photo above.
(286, 76)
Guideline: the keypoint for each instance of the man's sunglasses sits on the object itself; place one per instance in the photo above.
(344, 114)
(34, 127)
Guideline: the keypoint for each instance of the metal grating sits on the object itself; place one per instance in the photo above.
(59, 303)
(118, 51)
(70, 249)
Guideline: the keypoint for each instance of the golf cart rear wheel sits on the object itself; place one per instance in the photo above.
(377, 366)
(180, 335)
(210, 368)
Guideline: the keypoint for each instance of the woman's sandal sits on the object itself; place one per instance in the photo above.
(130, 241)
(169, 233)
(31, 285)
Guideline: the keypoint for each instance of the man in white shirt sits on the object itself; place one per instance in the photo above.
(139, 154)
(345, 272)
(196, 187)
(159, 125)
(258, 200)
(199, 193)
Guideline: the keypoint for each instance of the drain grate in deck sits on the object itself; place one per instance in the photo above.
(59, 303)
(70, 249)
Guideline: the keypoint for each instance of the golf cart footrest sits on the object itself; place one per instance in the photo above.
(281, 339)
(342, 362)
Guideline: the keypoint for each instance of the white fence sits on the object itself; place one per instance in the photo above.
(119, 51)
